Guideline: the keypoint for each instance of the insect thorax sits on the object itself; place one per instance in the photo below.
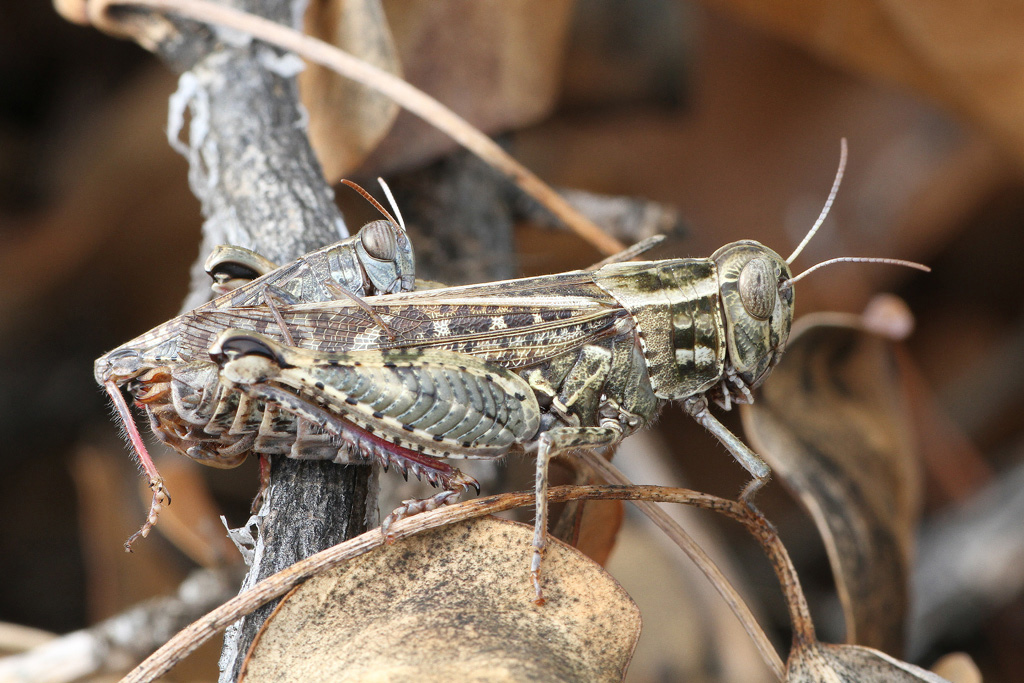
(700, 319)
(675, 305)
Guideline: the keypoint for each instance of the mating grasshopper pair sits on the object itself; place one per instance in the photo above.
(168, 372)
(542, 365)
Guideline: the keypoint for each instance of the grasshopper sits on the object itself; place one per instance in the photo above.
(169, 375)
(542, 365)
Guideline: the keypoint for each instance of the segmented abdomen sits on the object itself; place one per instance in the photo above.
(430, 401)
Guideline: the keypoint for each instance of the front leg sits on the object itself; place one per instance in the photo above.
(697, 408)
(551, 444)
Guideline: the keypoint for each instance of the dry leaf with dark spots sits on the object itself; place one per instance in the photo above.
(453, 604)
(831, 423)
(824, 663)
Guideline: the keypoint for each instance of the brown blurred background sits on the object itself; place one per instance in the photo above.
(729, 111)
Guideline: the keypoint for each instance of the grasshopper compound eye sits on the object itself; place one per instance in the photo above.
(378, 239)
(235, 344)
(230, 270)
(758, 288)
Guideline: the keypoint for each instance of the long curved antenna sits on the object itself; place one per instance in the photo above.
(394, 204)
(854, 259)
(368, 197)
(828, 202)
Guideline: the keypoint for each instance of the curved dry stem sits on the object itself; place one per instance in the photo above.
(705, 564)
(758, 526)
(190, 638)
(401, 92)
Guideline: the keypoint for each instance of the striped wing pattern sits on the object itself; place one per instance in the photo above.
(515, 323)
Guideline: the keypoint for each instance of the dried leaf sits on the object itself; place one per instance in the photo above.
(497, 64)
(589, 526)
(452, 604)
(598, 528)
(824, 663)
(958, 667)
(966, 55)
(689, 634)
(831, 423)
(346, 119)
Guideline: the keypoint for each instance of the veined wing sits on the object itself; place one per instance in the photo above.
(513, 332)
(577, 283)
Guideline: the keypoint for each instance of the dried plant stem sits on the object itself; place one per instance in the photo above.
(124, 637)
(705, 564)
(402, 93)
(759, 527)
(182, 644)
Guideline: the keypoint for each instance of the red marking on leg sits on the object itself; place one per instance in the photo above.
(133, 431)
(156, 482)
(446, 471)
(257, 502)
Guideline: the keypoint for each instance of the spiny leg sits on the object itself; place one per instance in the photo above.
(454, 485)
(697, 408)
(550, 445)
(422, 465)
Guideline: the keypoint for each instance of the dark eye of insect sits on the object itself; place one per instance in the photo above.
(757, 288)
(378, 240)
(229, 270)
(241, 345)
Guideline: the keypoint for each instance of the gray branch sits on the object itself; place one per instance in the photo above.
(261, 187)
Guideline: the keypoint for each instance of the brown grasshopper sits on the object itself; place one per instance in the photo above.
(546, 364)
(168, 371)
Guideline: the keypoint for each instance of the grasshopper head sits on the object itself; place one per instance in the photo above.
(119, 366)
(385, 254)
(151, 350)
(758, 304)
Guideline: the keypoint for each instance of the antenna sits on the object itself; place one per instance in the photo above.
(854, 259)
(828, 202)
(391, 200)
(376, 204)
